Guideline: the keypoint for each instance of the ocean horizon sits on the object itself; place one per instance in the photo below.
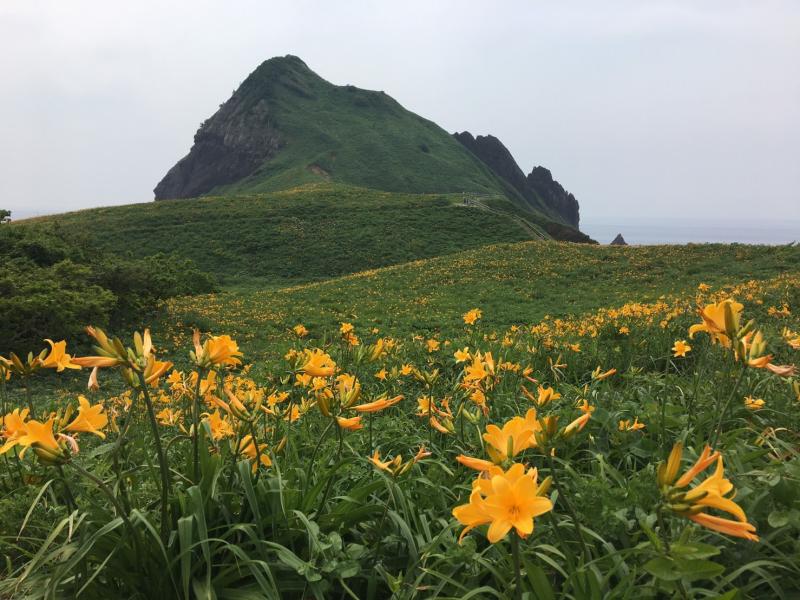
(643, 232)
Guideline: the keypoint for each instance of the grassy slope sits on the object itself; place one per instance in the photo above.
(300, 235)
(359, 137)
(512, 283)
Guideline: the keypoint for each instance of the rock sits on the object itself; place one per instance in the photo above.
(619, 241)
(554, 195)
(538, 188)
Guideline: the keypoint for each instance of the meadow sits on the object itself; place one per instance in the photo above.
(532, 420)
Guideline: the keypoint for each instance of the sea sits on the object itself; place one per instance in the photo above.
(676, 231)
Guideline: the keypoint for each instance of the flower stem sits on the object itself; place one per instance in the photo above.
(726, 406)
(517, 569)
(568, 505)
(314, 454)
(119, 509)
(338, 458)
(196, 427)
(162, 462)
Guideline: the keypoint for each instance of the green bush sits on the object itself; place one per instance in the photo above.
(53, 283)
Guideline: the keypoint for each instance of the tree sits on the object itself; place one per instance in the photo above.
(5, 216)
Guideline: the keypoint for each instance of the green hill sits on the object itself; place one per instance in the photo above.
(513, 283)
(286, 126)
(304, 234)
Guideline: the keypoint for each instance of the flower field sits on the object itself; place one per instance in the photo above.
(493, 424)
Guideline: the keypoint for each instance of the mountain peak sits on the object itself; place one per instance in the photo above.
(286, 126)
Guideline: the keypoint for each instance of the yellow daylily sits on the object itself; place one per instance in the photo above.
(58, 358)
(507, 500)
(714, 492)
(517, 434)
(680, 348)
(377, 405)
(471, 316)
(318, 363)
(720, 320)
(90, 419)
(218, 350)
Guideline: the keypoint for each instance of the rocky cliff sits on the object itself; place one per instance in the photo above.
(538, 187)
(554, 195)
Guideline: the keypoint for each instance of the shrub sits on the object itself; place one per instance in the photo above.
(53, 283)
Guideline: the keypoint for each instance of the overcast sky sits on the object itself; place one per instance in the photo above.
(662, 108)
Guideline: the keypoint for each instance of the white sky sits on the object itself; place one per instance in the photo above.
(649, 109)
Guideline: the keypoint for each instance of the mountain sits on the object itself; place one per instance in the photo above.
(538, 187)
(285, 126)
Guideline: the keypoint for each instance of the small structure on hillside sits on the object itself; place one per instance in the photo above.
(619, 241)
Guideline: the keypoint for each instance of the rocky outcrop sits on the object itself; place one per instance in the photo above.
(234, 142)
(619, 241)
(496, 156)
(538, 188)
(554, 195)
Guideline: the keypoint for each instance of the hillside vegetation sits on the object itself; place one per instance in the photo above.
(303, 234)
(514, 283)
(425, 431)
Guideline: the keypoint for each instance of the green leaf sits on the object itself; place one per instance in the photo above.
(691, 550)
(698, 569)
(662, 568)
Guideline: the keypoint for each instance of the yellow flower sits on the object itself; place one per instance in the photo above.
(471, 317)
(346, 328)
(508, 500)
(351, 424)
(378, 349)
(216, 350)
(715, 492)
(257, 455)
(432, 345)
(624, 330)
(578, 424)
(220, 427)
(475, 463)
(175, 378)
(58, 358)
(397, 466)
(626, 425)
(13, 428)
(517, 434)
(680, 348)
(90, 419)
(751, 350)
(546, 395)
(347, 387)
(377, 405)
(751, 403)
(406, 370)
(381, 374)
(476, 371)
(597, 375)
(39, 436)
(720, 320)
(792, 338)
(462, 355)
(168, 416)
(300, 330)
(318, 364)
